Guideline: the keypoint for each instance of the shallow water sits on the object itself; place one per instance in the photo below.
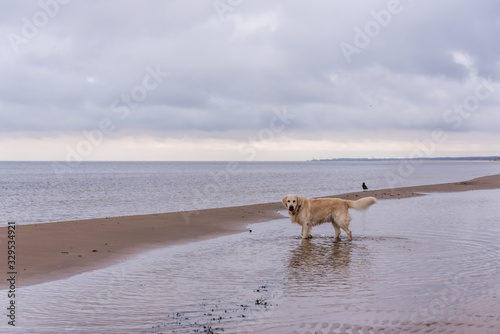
(426, 264)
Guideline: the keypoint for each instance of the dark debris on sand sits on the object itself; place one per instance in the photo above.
(215, 318)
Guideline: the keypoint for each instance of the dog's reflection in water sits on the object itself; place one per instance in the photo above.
(320, 259)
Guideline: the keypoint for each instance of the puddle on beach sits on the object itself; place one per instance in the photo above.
(426, 264)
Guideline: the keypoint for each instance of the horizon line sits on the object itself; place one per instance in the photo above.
(483, 158)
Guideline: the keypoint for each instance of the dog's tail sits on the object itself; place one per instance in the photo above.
(362, 203)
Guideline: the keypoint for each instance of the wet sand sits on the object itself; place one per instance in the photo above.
(51, 251)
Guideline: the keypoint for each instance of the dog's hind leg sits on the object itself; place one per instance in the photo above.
(345, 226)
(348, 231)
(343, 221)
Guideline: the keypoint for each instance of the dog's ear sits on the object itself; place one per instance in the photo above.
(300, 200)
(284, 200)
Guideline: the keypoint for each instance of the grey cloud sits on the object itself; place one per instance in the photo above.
(225, 74)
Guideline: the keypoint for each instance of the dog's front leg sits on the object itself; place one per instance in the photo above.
(306, 231)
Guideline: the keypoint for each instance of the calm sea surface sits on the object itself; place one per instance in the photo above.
(36, 192)
(427, 264)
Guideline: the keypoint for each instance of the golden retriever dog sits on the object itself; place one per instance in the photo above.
(309, 212)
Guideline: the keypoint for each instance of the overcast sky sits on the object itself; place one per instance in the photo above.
(248, 79)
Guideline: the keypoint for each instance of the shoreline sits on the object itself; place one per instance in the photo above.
(51, 251)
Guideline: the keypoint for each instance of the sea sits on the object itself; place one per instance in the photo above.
(426, 264)
(41, 192)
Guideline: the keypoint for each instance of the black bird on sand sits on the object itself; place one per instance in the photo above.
(364, 187)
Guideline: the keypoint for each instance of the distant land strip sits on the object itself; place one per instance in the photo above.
(491, 158)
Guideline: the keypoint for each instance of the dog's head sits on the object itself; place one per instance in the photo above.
(292, 202)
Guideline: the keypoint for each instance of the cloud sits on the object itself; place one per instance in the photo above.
(228, 72)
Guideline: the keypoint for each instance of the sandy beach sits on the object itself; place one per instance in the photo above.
(51, 251)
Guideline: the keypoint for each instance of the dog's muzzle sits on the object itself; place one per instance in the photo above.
(291, 208)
